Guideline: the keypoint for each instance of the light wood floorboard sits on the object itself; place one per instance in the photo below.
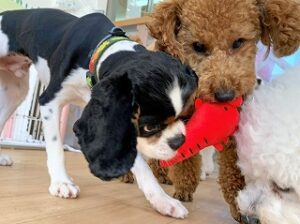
(24, 197)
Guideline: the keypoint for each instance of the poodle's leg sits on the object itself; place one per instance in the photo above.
(230, 177)
(127, 178)
(161, 173)
(185, 177)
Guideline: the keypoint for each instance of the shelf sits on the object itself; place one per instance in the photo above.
(132, 22)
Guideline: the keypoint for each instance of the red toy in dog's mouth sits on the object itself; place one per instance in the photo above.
(211, 124)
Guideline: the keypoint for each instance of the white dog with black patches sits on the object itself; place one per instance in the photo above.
(269, 152)
(137, 99)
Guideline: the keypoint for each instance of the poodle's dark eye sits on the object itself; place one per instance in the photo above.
(200, 48)
(238, 43)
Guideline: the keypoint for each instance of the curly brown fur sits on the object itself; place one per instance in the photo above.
(185, 177)
(281, 25)
(225, 34)
(127, 178)
(230, 177)
(178, 24)
(159, 172)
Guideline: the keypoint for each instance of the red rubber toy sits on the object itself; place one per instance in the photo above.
(211, 124)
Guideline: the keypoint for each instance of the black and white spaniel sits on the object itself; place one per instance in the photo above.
(134, 107)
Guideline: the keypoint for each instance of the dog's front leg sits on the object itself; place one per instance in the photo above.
(162, 202)
(61, 184)
(230, 177)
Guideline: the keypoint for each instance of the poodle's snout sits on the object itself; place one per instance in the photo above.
(176, 141)
(224, 95)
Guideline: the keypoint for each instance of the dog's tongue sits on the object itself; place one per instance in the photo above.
(211, 124)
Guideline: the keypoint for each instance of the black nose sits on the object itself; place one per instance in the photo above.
(176, 142)
(224, 95)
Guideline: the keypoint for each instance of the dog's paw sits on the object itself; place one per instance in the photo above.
(5, 160)
(166, 205)
(183, 196)
(64, 190)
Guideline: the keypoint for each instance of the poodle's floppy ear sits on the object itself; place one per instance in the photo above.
(105, 132)
(280, 21)
(165, 24)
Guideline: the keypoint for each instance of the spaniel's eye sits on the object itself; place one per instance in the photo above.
(152, 128)
(184, 119)
(238, 43)
(200, 48)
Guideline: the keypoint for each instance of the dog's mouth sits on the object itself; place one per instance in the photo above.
(221, 96)
(215, 98)
(218, 87)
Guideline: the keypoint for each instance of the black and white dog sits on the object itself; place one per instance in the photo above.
(136, 102)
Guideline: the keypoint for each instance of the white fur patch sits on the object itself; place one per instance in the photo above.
(42, 68)
(76, 91)
(76, 88)
(161, 202)
(175, 97)
(208, 164)
(269, 150)
(3, 42)
(160, 148)
(124, 45)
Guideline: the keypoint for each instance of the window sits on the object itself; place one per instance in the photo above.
(129, 9)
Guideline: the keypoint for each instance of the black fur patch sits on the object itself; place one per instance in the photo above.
(105, 132)
(60, 38)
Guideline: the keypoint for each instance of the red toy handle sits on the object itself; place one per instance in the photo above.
(211, 124)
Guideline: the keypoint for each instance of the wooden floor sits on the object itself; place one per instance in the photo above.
(24, 197)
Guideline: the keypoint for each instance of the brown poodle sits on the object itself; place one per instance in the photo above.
(218, 39)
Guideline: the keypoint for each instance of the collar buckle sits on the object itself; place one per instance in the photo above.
(117, 31)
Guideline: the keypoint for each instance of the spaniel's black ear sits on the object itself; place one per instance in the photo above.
(105, 132)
